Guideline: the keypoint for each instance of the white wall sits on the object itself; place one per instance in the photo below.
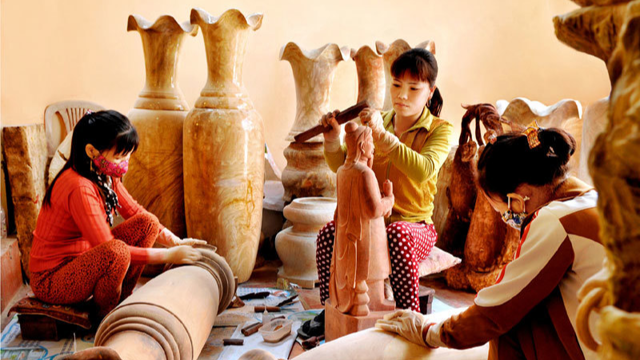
(56, 50)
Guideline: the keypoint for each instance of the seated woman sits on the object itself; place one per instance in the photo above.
(530, 312)
(411, 144)
(75, 254)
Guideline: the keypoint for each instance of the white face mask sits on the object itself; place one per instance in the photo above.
(511, 218)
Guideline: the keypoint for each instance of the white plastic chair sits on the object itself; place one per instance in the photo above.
(60, 118)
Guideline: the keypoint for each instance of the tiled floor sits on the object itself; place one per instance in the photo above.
(266, 276)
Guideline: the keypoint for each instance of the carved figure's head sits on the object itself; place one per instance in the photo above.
(359, 144)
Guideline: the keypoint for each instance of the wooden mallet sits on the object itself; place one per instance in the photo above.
(344, 116)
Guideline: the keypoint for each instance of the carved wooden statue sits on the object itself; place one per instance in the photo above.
(610, 30)
(474, 230)
(360, 260)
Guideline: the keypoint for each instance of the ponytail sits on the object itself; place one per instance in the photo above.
(435, 104)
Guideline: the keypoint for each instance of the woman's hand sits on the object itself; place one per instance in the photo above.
(384, 141)
(182, 254)
(189, 241)
(372, 118)
(329, 120)
(406, 323)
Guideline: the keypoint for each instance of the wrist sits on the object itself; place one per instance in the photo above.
(159, 256)
(425, 335)
(332, 145)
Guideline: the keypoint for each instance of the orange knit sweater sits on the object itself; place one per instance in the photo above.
(76, 222)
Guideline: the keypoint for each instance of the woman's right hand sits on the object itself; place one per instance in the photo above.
(329, 120)
(182, 254)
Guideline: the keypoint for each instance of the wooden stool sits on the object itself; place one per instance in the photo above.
(41, 321)
(426, 299)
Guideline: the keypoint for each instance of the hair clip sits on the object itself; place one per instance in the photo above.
(490, 137)
(89, 112)
(532, 134)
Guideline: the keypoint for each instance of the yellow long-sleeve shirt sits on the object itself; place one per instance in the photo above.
(413, 174)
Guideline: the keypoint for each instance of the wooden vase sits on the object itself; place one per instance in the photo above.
(155, 175)
(371, 81)
(224, 147)
(307, 173)
(296, 245)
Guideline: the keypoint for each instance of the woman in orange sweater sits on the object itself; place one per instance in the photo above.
(75, 254)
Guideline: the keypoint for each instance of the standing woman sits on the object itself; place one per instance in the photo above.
(411, 144)
(530, 312)
(75, 254)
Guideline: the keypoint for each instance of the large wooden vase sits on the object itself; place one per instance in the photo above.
(154, 178)
(307, 173)
(371, 81)
(389, 54)
(224, 147)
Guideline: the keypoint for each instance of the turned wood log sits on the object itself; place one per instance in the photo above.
(171, 316)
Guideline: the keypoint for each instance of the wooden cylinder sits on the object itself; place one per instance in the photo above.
(159, 321)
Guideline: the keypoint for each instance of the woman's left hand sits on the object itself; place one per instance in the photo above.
(189, 241)
(372, 118)
(406, 323)
(384, 141)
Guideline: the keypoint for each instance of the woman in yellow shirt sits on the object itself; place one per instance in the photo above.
(411, 144)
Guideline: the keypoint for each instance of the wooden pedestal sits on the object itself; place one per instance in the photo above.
(426, 299)
(338, 324)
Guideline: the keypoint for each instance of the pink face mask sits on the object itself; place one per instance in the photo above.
(110, 169)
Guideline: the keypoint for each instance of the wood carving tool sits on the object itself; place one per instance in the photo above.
(269, 309)
(251, 329)
(287, 301)
(344, 116)
(236, 342)
(255, 295)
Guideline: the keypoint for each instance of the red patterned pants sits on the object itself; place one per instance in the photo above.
(105, 271)
(409, 245)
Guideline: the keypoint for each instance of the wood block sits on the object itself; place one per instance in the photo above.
(338, 324)
(11, 271)
(25, 153)
(426, 299)
(41, 327)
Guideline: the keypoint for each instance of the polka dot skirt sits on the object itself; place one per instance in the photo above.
(409, 245)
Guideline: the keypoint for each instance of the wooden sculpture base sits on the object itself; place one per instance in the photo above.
(337, 324)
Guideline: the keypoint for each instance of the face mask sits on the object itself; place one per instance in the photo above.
(511, 218)
(110, 169)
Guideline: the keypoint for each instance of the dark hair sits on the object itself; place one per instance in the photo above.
(510, 162)
(104, 130)
(422, 65)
